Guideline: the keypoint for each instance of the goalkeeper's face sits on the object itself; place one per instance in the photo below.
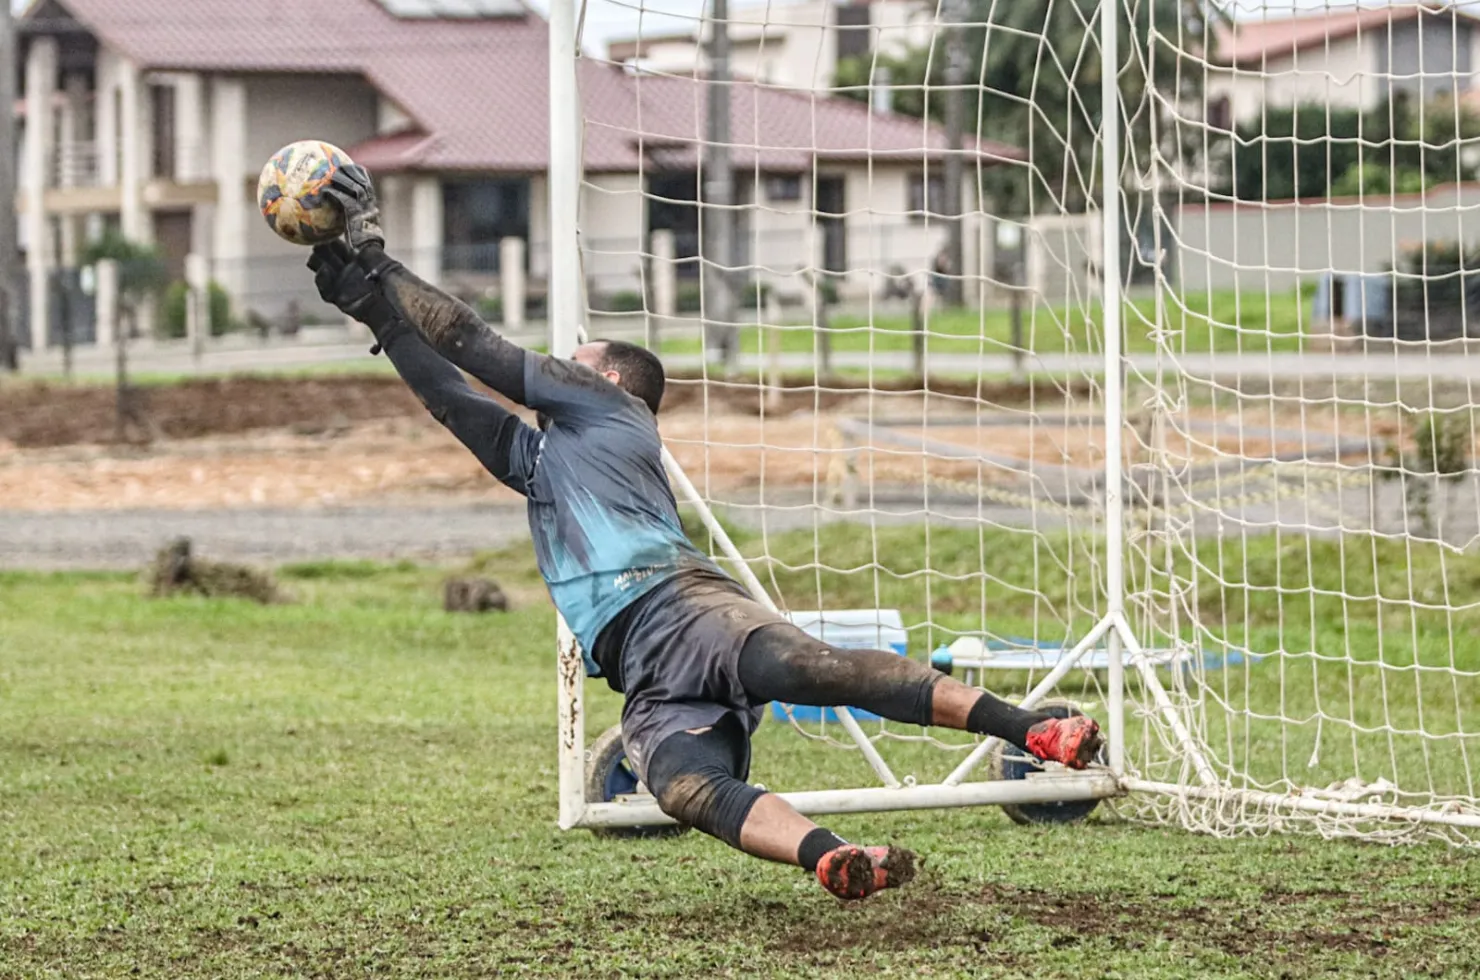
(593, 355)
(634, 369)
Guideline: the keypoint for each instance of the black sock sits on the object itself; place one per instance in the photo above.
(993, 716)
(817, 843)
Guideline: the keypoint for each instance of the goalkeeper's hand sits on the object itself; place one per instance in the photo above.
(354, 192)
(343, 282)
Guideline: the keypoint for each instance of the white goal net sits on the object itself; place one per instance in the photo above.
(1184, 440)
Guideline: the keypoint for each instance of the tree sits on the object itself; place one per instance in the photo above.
(1311, 150)
(1038, 70)
(141, 276)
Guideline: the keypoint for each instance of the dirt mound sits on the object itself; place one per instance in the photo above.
(35, 415)
(44, 415)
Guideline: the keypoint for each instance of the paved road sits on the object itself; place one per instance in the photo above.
(128, 538)
(328, 348)
(1317, 365)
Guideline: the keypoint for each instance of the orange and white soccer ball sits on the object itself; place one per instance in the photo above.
(290, 192)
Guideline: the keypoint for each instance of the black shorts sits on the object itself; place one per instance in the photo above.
(679, 659)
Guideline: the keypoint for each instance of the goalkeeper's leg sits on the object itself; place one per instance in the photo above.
(783, 663)
(698, 778)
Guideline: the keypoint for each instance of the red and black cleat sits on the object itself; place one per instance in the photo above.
(854, 872)
(1069, 741)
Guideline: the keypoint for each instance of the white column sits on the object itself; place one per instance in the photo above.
(664, 274)
(229, 168)
(106, 302)
(539, 227)
(191, 163)
(511, 281)
(197, 303)
(133, 144)
(426, 229)
(976, 256)
(106, 109)
(75, 160)
(393, 193)
(69, 131)
(41, 81)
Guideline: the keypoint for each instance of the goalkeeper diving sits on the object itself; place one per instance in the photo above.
(694, 656)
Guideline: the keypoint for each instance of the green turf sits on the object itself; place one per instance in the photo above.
(1221, 322)
(362, 785)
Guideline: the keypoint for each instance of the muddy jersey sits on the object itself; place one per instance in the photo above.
(601, 512)
(605, 525)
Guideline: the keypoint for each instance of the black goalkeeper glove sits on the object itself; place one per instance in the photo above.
(352, 189)
(343, 282)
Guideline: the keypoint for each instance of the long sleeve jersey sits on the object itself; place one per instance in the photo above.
(601, 512)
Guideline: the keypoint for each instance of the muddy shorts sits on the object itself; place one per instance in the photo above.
(680, 661)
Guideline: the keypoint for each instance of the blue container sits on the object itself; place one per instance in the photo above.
(850, 629)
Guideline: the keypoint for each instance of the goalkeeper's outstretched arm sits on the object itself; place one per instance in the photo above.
(451, 327)
(496, 436)
(562, 390)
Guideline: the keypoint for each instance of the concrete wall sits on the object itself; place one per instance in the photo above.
(613, 231)
(882, 235)
(1062, 255)
(1338, 74)
(1257, 249)
(284, 108)
(1273, 248)
(1427, 57)
(280, 109)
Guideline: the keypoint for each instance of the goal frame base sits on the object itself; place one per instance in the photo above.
(1048, 787)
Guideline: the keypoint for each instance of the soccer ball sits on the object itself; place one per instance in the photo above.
(290, 192)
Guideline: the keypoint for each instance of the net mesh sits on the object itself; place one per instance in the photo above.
(867, 240)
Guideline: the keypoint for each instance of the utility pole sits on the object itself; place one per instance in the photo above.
(718, 194)
(9, 250)
(955, 115)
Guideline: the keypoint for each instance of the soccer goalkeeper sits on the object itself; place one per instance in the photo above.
(695, 657)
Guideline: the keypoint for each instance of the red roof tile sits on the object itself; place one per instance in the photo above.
(776, 128)
(1247, 42)
(476, 89)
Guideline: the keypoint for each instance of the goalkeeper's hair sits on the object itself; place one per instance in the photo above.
(641, 371)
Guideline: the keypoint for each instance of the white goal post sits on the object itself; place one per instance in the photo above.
(1051, 364)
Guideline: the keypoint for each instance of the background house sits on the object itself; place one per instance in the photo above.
(1347, 57)
(155, 116)
(796, 44)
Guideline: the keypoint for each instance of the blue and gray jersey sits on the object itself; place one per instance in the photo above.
(601, 512)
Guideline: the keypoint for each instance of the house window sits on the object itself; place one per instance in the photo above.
(784, 187)
(853, 31)
(477, 214)
(1220, 114)
(921, 203)
(162, 107)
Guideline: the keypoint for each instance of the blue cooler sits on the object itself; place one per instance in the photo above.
(850, 629)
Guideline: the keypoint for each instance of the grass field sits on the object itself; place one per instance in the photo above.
(361, 785)
(1218, 322)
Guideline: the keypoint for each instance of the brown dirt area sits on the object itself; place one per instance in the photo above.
(324, 441)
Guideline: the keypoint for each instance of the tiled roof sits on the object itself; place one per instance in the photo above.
(1247, 42)
(475, 89)
(776, 128)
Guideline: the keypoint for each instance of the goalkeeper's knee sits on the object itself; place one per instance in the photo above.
(705, 796)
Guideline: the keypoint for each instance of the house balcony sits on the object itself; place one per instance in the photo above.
(75, 184)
